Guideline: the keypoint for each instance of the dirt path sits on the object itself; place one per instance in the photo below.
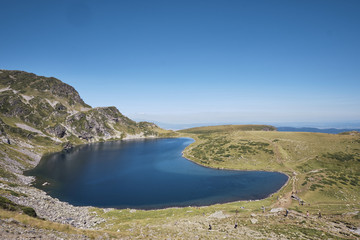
(285, 200)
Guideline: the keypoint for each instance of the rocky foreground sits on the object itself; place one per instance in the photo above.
(13, 229)
(52, 209)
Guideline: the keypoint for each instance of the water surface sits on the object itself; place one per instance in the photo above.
(145, 174)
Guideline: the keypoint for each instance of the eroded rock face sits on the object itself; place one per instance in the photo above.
(67, 146)
(58, 130)
(11, 105)
(56, 109)
(20, 80)
(59, 107)
(103, 123)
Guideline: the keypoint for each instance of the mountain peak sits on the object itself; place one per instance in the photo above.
(29, 83)
(55, 110)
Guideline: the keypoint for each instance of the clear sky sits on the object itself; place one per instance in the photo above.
(180, 61)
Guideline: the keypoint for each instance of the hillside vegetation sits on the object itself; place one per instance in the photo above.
(227, 128)
(326, 167)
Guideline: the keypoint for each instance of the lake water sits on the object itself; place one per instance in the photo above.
(145, 174)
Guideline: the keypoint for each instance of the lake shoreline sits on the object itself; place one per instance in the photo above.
(50, 208)
(245, 170)
(66, 213)
(43, 181)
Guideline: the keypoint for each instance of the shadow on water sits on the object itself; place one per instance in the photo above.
(145, 174)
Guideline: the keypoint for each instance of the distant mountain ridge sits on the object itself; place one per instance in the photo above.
(318, 130)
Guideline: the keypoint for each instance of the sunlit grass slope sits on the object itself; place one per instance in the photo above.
(323, 170)
(227, 128)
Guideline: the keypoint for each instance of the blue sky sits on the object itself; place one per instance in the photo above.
(195, 61)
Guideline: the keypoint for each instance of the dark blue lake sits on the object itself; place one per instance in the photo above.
(145, 174)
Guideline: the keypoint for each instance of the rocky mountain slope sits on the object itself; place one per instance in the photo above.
(42, 114)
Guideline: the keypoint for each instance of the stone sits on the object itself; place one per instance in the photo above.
(276, 210)
(58, 130)
(218, 215)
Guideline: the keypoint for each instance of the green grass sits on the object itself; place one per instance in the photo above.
(326, 165)
(227, 128)
(11, 192)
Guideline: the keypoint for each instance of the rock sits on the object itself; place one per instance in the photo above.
(293, 196)
(59, 107)
(52, 209)
(58, 130)
(218, 215)
(12, 106)
(68, 146)
(276, 210)
(253, 220)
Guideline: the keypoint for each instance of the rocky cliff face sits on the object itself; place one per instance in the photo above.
(40, 114)
(23, 82)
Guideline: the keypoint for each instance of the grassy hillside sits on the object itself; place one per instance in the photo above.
(227, 128)
(325, 167)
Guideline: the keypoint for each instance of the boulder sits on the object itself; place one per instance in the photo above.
(253, 220)
(276, 210)
(58, 130)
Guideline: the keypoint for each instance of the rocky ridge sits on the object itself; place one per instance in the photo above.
(40, 114)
